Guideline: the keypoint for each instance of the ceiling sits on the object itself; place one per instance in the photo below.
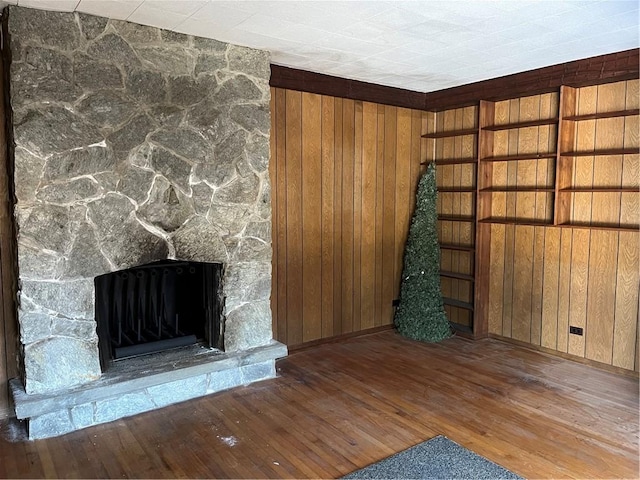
(418, 45)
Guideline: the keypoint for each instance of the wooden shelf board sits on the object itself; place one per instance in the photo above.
(453, 161)
(455, 218)
(601, 153)
(619, 228)
(454, 302)
(518, 189)
(459, 276)
(451, 133)
(530, 123)
(456, 190)
(462, 248)
(527, 222)
(526, 156)
(593, 116)
(600, 190)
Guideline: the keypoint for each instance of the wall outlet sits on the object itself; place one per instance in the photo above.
(576, 330)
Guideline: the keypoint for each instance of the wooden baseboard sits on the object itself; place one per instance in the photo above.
(567, 356)
(338, 338)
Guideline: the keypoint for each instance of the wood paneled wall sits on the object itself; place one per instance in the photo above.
(544, 279)
(343, 176)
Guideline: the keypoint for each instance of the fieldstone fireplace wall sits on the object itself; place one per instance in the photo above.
(132, 144)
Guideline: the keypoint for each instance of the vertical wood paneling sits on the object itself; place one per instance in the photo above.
(328, 209)
(368, 250)
(357, 218)
(311, 217)
(626, 317)
(280, 214)
(348, 159)
(293, 169)
(344, 181)
(389, 214)
(343, 174)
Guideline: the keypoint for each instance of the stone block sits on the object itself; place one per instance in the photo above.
(91, 25)
(166, 207)
(167, 115)
(252, 249)
(131, 134)
(246, 282)
(237, 89)
(216, 173)
(44, 75)
(258, 371)
(47, 225)
(247, 326)
(146, 86)
(85, 259)
(82, 416)
(174, 168)
(37, 264)
(187, 143)
(59, 363)
(210, 62)
(53, 130)
(52, 29)
(258, 153)
(27, 175)
(252, 118)
(231, 148)
(135, 33)
(242, 190)
(92, 75)
(201, 197)
(50, 425)
(171, 60)
(34, 327)
(113, 49)
(249, 61)
(199, 241)
(178, 391)
(186, 90)
(80, 329)
(107, 109)
(136, 184)
(73, 298)
(122, 406)
(224, 380)
(209, 44)
(69, 192)
(84, 161)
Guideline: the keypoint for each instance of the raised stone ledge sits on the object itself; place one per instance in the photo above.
(145, 383)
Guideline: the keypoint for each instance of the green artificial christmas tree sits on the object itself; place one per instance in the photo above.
(420, 314)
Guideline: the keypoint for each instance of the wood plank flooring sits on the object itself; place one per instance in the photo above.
(338, 407)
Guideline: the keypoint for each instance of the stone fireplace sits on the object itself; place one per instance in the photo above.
(134, 145)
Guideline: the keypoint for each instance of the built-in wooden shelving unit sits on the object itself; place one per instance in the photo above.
(452, 144)
(565, 160)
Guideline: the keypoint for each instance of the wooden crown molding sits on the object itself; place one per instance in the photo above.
(607, 68)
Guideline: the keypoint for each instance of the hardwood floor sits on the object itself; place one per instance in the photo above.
(341, 406)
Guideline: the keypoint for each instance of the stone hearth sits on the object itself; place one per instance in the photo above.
(132, 145)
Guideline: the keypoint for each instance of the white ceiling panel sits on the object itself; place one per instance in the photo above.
(420, 45)
(118, 9)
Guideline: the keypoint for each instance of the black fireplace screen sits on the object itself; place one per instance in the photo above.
(156, 307)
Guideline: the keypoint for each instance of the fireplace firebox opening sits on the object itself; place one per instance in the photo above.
(158, 306)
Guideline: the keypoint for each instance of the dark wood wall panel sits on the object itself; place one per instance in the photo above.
(344, 174)
(612, 67)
